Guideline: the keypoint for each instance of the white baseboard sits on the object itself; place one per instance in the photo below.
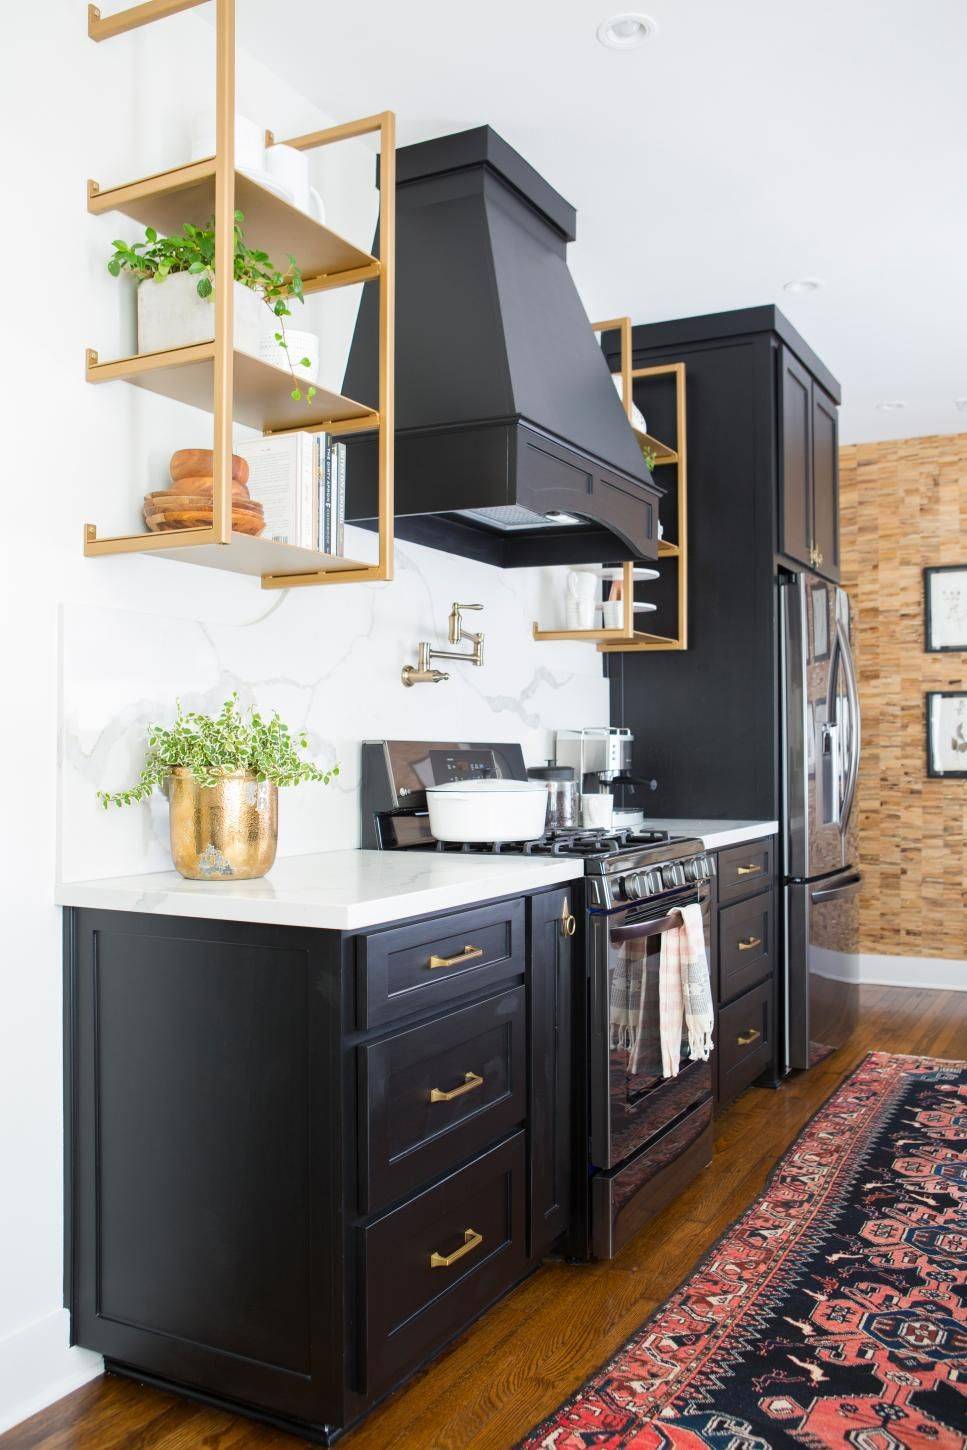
(933, 973)
(936, 973)
(39, 1366)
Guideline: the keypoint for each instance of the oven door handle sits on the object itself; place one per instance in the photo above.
(647, 928)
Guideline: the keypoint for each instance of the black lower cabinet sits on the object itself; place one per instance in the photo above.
(274, 1208)
(746, 951)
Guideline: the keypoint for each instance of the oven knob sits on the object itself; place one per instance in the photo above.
(673, 875)
(697, 868)
(653, 882)
(633, 887)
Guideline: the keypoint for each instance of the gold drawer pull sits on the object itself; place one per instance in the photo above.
(744, 1038)
(467, 955)
(749, 943)
(470, 1081)
(751, 870)
(568, 924)
(471, 1239)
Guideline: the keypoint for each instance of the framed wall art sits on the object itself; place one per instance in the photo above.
(947, 734)
(945, 608)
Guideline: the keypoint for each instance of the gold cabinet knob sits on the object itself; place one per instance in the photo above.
(749, 943)
(467, 955)
(750, 1035)
(568, 923)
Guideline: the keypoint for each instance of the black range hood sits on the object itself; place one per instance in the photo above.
(511, 442)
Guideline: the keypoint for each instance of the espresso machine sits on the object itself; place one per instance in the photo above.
(600, 756)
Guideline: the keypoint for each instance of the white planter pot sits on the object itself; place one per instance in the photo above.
(300, 345)
(488, 810)
(171, 314)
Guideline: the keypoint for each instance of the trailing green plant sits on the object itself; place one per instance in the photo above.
(211, 746)
(650, 457)
(193, 251)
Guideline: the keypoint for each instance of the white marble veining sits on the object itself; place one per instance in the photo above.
(713, 834)
(342, 890)
(329, 660)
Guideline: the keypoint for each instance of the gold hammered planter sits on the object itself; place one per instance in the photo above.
(223, 832)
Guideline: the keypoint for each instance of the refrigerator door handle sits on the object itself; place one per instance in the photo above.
(854, 705)
(843, 886)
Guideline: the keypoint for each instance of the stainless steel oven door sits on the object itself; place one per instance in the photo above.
(631, 1100)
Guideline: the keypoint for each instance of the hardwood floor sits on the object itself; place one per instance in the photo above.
(529, 1352)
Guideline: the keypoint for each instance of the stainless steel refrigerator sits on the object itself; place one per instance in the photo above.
(821, 876)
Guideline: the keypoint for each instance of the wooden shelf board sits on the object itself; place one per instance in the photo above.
(589, 636)
(244, 555)
(262, 392)
(187, 194)
(667, 550)
(663, 454)
(641, 642)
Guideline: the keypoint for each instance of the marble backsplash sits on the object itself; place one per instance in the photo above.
(329, 660)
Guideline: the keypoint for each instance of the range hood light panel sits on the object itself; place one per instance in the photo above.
(509, 517)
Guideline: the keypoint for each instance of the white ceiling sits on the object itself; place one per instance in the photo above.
(741, 147)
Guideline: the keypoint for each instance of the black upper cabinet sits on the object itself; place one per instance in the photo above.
(809, 484)
(762, 481)
(825, 456)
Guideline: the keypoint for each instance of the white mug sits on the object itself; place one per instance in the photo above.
(597, 810)
(579, 603)
(290, 168)
(614, 613)
(249, 141)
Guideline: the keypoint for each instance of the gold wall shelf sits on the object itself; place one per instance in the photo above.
(262, 391)
(601, 636)
(232, 385)
(187, 194)
(641, 641)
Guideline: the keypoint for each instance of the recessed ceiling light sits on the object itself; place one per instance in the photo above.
(625, 32)
(893, 406)
(802, 284)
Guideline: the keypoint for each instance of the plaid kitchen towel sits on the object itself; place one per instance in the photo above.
(696, 986)
(684, 990)
(671, 999)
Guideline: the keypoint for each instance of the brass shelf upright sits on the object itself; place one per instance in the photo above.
(641, 641)
(192, 192)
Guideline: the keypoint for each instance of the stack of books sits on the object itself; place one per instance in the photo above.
(300, 481)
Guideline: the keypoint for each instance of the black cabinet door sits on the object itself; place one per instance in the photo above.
(795, 452)
(825, 472)
(551, 960)
(202, 1187)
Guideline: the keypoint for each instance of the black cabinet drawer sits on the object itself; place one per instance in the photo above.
(432, 1096)
(745, 869)
(424, 966)
(745, 1040)
(746, 944)
(430, 1267)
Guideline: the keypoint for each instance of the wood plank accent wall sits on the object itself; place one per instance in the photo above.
(904, 507)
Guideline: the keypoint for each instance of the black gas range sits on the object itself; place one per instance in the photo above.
(641, 1134)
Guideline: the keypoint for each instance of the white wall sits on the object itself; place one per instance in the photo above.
(75, 453)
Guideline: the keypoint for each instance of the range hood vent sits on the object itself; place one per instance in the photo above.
(511, 442)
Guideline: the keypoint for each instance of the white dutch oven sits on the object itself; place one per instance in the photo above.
(487, 810)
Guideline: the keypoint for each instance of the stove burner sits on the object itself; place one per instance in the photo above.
(596, 843)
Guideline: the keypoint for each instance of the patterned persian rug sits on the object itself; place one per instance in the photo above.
(833, 1312)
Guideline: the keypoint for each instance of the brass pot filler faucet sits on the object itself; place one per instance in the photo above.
(422, 674)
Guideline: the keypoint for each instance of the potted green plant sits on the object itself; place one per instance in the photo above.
(221, 774)
(176, 293)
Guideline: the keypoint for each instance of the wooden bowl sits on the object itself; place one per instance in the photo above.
(195, 484)
(199, 463)
(169, 512)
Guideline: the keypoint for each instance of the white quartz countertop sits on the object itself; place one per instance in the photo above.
(714, 834)
(341, 890)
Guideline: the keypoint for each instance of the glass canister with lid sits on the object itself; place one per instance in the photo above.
(562, 796)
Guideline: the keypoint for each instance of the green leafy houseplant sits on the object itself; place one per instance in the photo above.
(214, 746)
(193, 251)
